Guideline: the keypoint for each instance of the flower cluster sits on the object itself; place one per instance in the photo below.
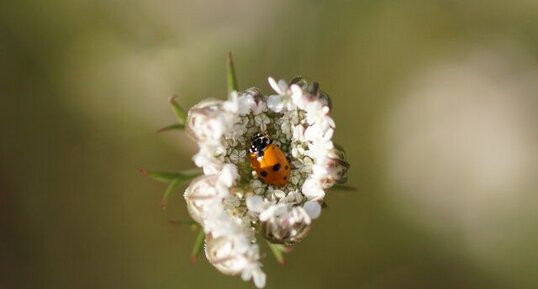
(230, 201)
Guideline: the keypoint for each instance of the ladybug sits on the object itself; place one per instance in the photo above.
(269, 161)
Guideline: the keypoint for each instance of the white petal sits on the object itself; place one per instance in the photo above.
(283, 85)
(274, 103)
(274, 85)
(259, 278)
(231, 104)
(313, 209)
(312, 189)
(313, 132)
(279, 193)
(246, 274)
(298, 132)
(244, 103)
(255, 204)
(228, 175)
(267, 214)
(273, 210)
(297, 96)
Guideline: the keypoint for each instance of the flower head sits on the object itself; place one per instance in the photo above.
(232, 201)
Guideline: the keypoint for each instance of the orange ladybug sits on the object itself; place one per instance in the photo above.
(269, 161)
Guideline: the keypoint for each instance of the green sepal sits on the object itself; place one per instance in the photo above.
(171, 127)
(174, 180)
(232, 79)
(180, 113)
(278, 251)
(172, 187)
(198, 245)
(167, 177)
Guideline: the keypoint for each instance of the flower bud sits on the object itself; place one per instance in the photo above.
(314, 93)
(299, 80)
(336, 166)
(203, 119)
(288, 228)
(255, 93)
(201, 195)
(257, 104)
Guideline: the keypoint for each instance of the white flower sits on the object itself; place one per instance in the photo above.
(257, 204)
(240, 104)
(296, 177)
(237, 155)
(281, 87)
(256, 102)
(231, 201)
(293, 197)
(273, 211)
(282, 100)
(261, 121)
(288, 122)
(239, 129)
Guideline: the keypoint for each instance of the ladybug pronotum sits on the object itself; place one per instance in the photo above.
(269, 161)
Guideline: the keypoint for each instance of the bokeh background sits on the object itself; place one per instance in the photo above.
(436, 103)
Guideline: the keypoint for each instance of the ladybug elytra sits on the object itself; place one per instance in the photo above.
(269, 161)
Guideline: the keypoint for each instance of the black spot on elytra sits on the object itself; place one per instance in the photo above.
(285, 177)
(276, 167)
(286, 167)
(263, 173)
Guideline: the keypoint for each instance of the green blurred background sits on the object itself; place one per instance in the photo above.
(435, 101)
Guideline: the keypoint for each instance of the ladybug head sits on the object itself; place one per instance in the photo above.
(258, 142)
